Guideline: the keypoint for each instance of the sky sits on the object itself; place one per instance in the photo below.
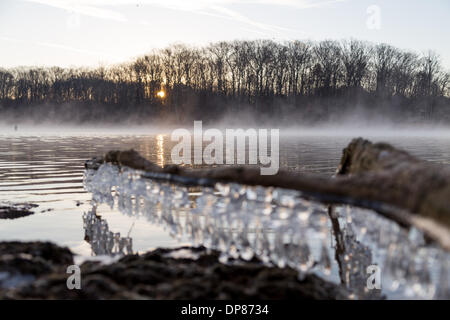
(99, 32)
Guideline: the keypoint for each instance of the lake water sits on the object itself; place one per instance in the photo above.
(47, 169)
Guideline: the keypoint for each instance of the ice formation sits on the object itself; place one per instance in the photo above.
(102, 240)
(280, 227)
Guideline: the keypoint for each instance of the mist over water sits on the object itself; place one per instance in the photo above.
(350, 128)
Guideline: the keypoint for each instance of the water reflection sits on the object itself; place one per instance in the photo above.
(102, 240)
(160, 149)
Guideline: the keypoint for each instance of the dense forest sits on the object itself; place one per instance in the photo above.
(293, 82)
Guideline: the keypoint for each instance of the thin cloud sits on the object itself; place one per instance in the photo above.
(196, 4)
(243, 19)
(82, 7)
(61, 46)
(77, 50)
(298, 4)
(217, 8)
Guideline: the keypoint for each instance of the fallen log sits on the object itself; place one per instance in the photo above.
(373, 176)
(418, 186)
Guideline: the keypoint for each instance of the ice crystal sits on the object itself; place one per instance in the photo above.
(280, 227)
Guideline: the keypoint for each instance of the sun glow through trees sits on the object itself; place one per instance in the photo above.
(161, 94)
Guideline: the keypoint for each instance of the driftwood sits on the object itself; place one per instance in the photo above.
(374, 176)
(395, 177)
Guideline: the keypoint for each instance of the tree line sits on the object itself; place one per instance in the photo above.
(310, 79)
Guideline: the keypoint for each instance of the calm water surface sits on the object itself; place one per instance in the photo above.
(48, 170)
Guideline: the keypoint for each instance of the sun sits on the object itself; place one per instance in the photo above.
(161, 94)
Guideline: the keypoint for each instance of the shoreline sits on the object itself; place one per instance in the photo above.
(195, 273)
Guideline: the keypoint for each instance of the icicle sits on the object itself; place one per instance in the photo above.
(276, 225)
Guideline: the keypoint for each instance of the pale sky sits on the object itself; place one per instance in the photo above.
(93, 32)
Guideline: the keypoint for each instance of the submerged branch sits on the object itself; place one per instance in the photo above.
(14, 211)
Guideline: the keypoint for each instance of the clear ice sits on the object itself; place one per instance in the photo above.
(279, 227)
(102, 240)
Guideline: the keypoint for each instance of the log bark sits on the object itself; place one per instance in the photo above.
(374, 176)
(395, 177)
